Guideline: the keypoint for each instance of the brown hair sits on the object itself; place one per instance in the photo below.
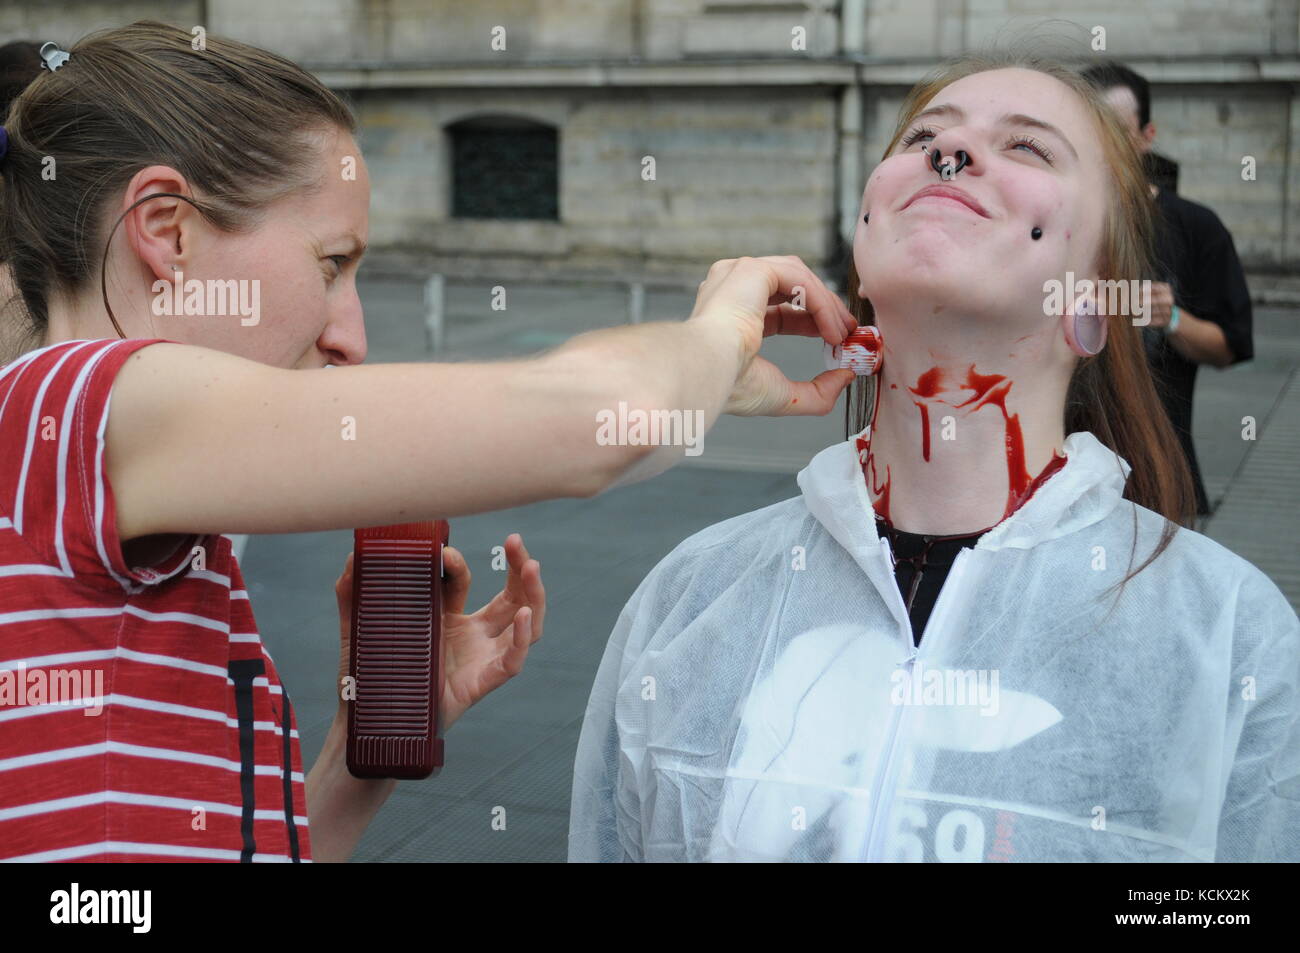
(240, 124)
(1110, 394)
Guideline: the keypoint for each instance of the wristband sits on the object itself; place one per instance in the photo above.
(1172, 326)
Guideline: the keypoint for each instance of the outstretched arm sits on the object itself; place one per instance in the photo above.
(201, 441)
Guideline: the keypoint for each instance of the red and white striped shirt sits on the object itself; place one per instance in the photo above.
(194, 755)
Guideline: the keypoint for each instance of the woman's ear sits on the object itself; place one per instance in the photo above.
(160, 230)
(1085, 329)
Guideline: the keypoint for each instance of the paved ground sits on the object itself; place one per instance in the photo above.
(516, 748)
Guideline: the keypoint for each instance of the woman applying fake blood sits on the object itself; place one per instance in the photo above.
(238, 168)
(980, 633)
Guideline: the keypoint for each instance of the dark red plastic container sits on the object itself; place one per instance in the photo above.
(396, 658)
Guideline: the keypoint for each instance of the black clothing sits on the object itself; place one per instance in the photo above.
(1196, 256)
(1161, 170)
(926, 557)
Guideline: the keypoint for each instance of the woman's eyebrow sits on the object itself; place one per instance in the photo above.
(1011, 119)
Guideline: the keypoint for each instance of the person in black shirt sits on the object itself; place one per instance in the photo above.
(1200, 309)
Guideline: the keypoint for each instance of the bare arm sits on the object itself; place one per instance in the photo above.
(1200, 341)
(340, 807)
(201, 441)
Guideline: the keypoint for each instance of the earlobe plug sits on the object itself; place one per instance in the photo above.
(1089, 328)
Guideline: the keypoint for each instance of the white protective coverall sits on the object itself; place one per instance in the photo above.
(761, 699)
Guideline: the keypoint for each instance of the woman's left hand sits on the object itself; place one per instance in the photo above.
(485, 650)
(482, 651)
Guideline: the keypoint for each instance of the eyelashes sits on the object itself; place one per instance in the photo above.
(1015, 140)
(916, 133)
(339, 262)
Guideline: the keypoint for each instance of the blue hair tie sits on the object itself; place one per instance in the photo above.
(4, 141)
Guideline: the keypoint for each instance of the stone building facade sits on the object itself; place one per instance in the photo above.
(762, 117)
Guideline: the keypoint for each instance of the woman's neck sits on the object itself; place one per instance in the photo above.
(956, 443)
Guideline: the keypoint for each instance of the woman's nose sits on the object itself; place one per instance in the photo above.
(344, 339)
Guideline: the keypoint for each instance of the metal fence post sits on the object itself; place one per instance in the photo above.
(635, 302)
(435, 301)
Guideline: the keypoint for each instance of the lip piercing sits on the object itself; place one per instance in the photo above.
(1036, 233)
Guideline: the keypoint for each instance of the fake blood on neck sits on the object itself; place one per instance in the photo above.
(987, 389)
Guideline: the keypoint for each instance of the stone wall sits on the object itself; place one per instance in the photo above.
(760, 145)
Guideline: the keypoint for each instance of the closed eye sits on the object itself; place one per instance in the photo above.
(1034, 145)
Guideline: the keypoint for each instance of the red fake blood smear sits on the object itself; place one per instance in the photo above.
(881, 503)
(882, 492)
(1052, 466)
(992, 389)
(925, 431)
(927, 385)
(989, 389)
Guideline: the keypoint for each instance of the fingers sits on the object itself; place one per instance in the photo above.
(788, 319)
(523, 588)
(521, 637)
(455, 587)
(829, 313)
(751, 285)
(817, 397)
(769, 393)
(527, 588)
(343, 587)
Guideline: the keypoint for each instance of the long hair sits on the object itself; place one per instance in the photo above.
(1111, 394)
(241, 124)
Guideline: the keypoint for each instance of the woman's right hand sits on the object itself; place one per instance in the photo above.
(759, 297)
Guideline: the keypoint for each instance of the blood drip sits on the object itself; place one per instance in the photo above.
(988, 389)
(927, 385)
(925, 431)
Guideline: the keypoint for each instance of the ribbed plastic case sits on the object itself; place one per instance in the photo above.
(396, 658)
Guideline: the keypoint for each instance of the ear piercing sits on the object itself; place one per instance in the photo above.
(1036, 233)
(866, 218)
(1089, 327)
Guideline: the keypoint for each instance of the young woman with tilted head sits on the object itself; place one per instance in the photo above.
(980, 632)
(134, 159)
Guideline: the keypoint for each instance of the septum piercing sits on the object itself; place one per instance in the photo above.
(936, 160)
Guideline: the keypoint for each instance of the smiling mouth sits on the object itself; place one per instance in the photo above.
(946, 199)
(948, 195)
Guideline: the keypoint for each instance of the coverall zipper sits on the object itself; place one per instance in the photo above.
(874, 847)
